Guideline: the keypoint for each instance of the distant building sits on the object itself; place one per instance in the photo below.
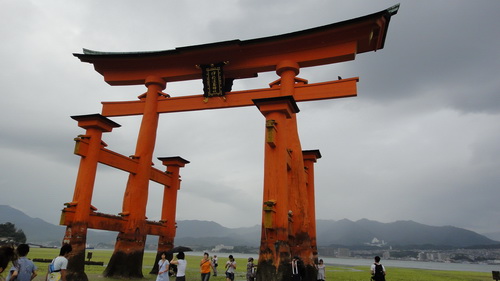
(221, 247)
(386, 255)
(432, 256)
(376, 242)
(343, 252)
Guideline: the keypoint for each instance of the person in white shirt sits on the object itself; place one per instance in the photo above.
(60, 263)
(215, 264)
(230, 267)
(181, 267)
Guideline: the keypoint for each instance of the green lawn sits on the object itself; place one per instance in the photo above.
(340, 273)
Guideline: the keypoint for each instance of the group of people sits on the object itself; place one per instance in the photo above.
(23, 269)
(207, 265)
(298, 269)
(164, 266)
(377, 270)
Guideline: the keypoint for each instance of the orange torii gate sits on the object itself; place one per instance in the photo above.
(288, 215)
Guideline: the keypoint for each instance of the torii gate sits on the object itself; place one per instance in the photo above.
(288, 215)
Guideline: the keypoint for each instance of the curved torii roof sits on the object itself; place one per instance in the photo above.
(327, 44)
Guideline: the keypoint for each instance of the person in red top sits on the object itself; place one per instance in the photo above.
(205, 267)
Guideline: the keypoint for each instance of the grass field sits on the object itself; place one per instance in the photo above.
(339, 273)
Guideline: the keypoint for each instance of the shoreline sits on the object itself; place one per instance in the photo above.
(429, 265)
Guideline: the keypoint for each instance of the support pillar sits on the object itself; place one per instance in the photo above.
(310, 157)
(127, 257)
(286, 219)
(76, 232)
(299, 220)
(299, 211)
(274, 255)
(169, 207)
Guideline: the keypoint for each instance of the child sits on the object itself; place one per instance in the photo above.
(23, 269)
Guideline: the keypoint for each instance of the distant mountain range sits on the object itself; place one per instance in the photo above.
(329, 232)
(403, 233)
(39, 231)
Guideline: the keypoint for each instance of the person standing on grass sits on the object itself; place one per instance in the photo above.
(181, 267)
(321, 271)
(230, 267)
(205, 266)
(251, 268)
(163, 266)
(23, 269)
(215, 264)
(60, 263)
(377, 270)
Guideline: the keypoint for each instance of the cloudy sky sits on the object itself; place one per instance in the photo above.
(420, 141)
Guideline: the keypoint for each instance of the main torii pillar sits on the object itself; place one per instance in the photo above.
(288, 209)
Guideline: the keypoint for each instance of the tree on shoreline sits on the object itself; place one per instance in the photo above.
(9, 234)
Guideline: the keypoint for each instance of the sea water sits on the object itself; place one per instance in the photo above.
(476, 267)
